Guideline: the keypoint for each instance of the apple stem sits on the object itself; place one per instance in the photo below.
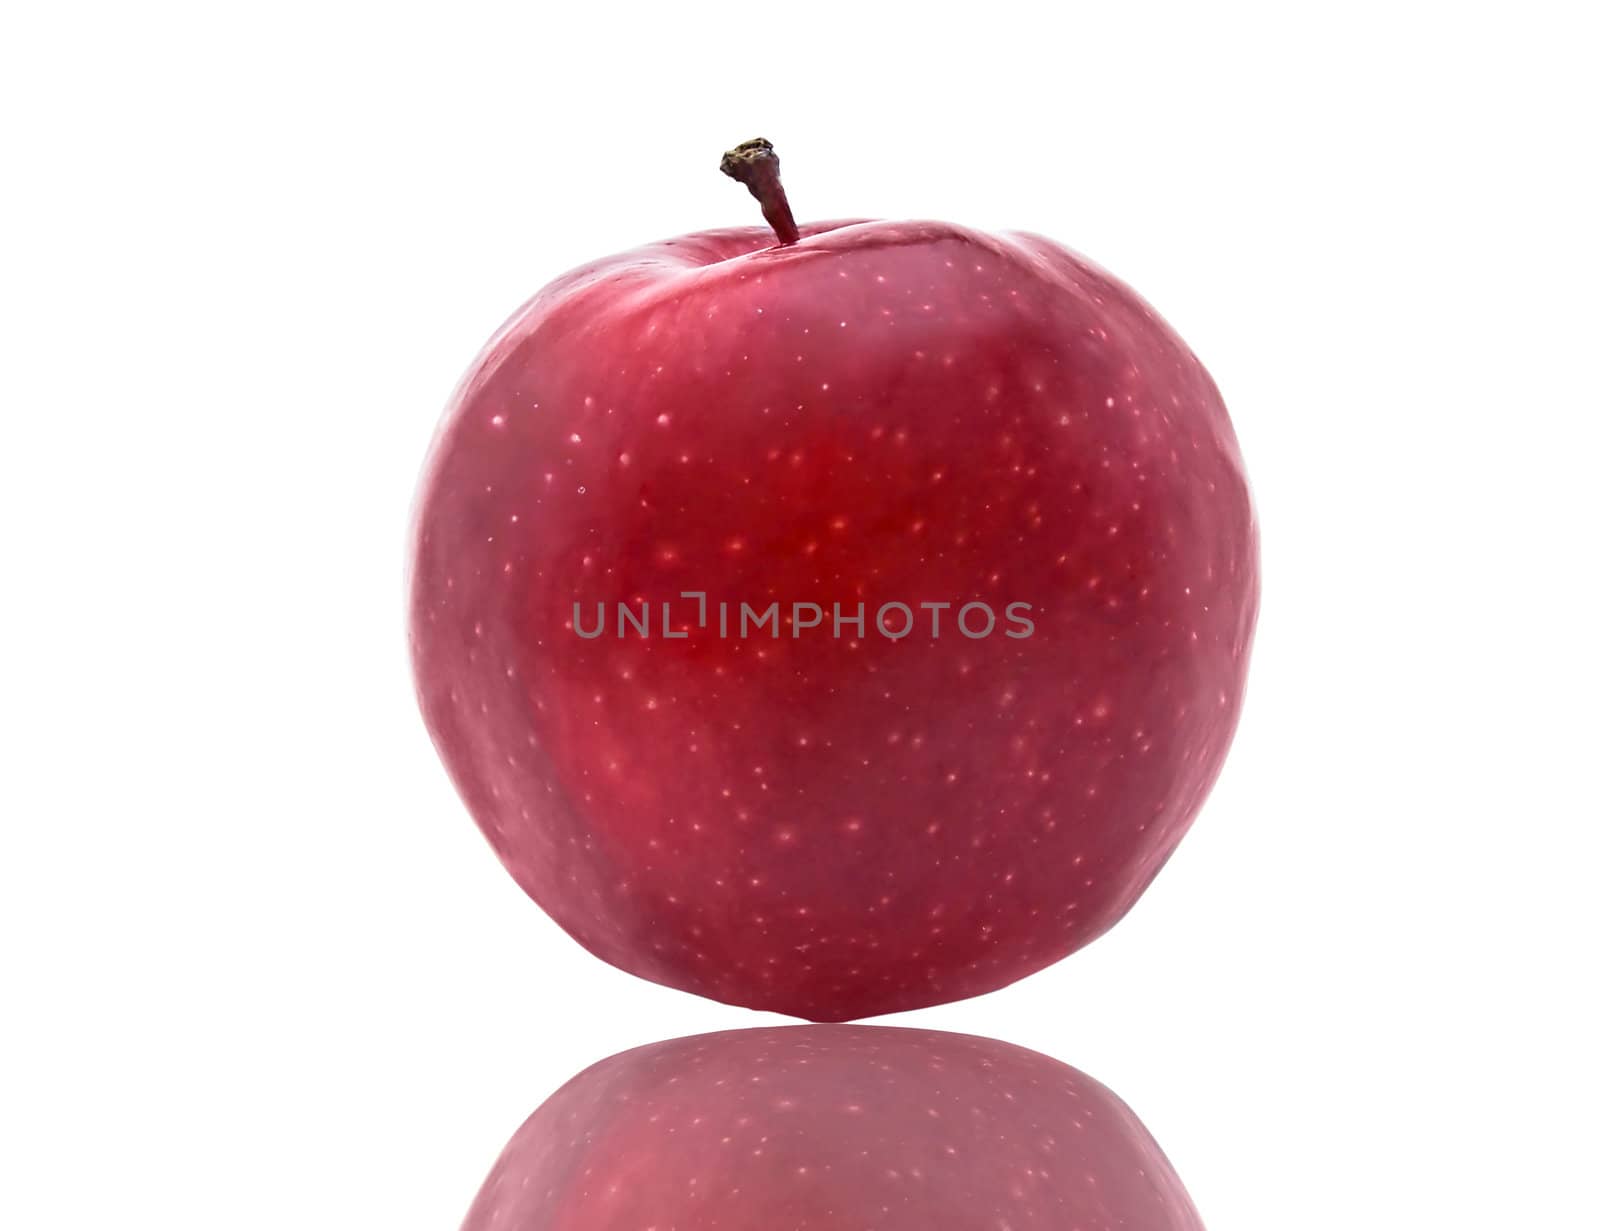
(755, 165)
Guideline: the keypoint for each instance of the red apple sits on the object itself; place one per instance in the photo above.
(988, 451)
(832, 1127)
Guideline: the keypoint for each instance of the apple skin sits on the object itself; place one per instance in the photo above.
(829, 1128)
(883, 411)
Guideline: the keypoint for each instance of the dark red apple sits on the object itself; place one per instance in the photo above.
(832, 1128)
(937, 571)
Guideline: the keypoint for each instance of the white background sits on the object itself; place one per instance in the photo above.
(260, 971)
